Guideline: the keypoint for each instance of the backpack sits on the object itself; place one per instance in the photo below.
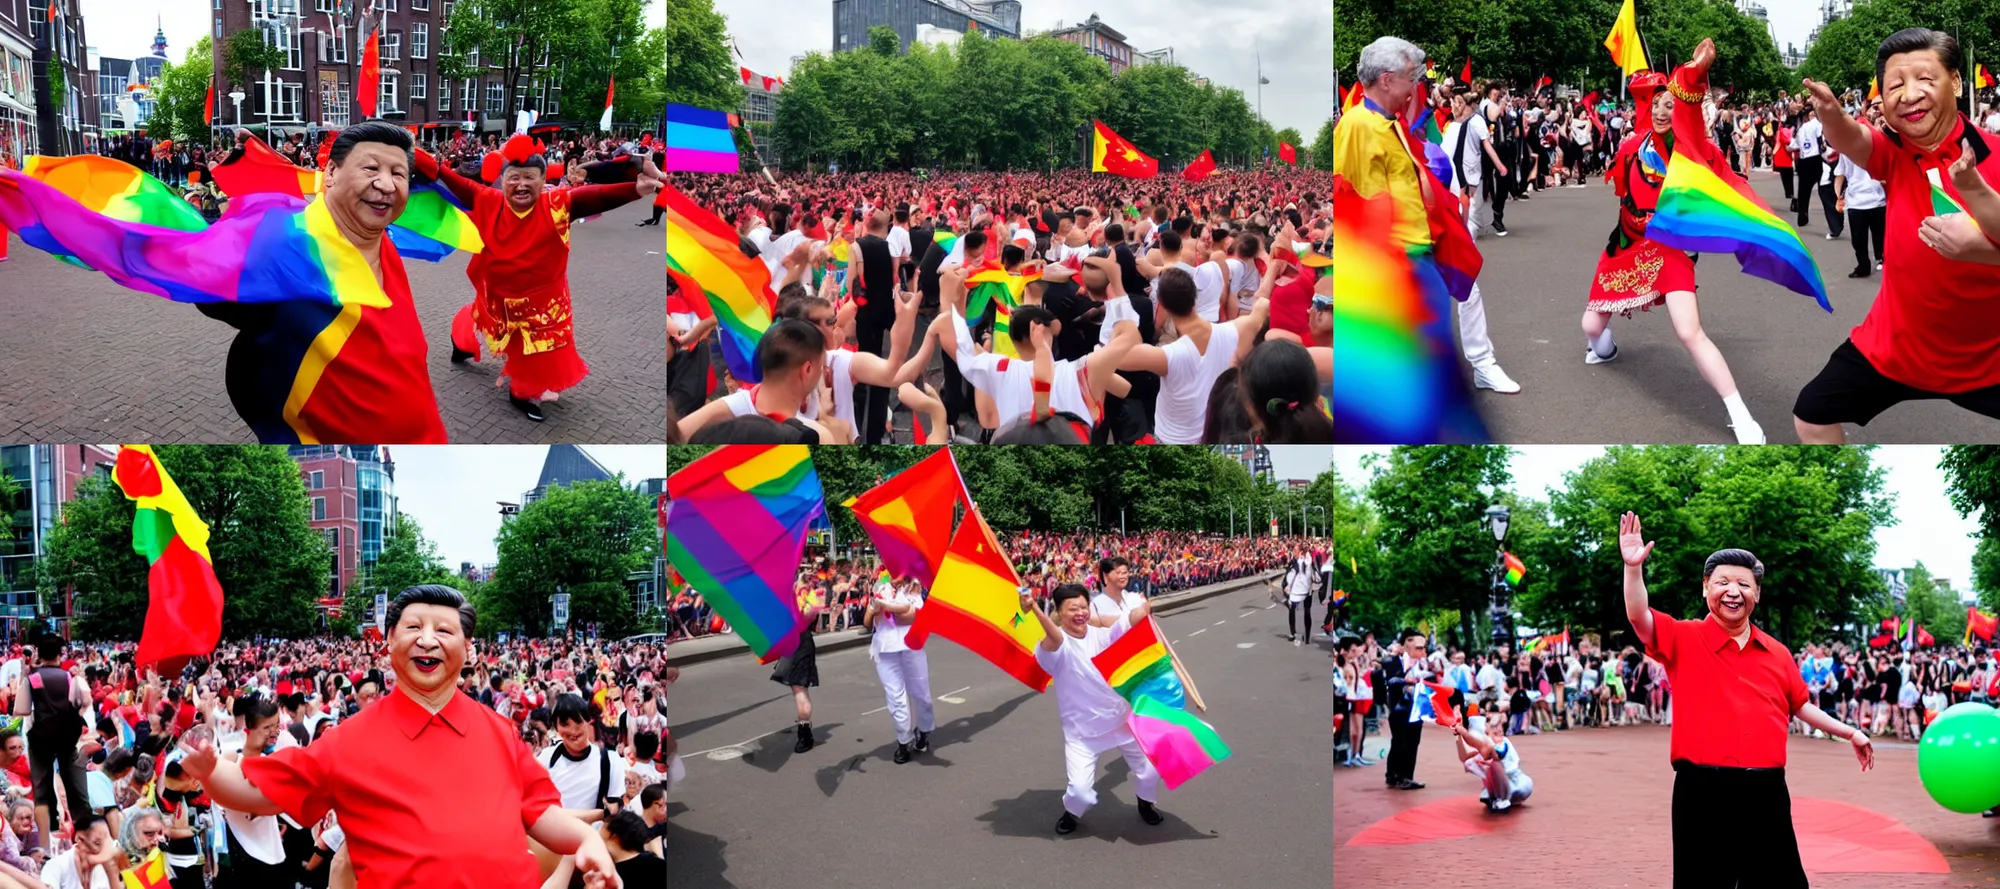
(603, 771)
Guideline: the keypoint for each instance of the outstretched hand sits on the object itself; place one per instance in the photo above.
(1822, 98)
(1704, 55)
(1965, 171)
(1863, 749)
(1632, 544)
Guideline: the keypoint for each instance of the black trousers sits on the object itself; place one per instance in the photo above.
(1809, 168)
(871, 403)
(687, 378)
(1764, 852)
(1827, 204)
(1292, 616)
(1504, 187)
(1864, 227)
(1404, 736)
(1785, 176)
(45, 756)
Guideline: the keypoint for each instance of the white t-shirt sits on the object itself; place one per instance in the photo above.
(899, 242)
(1010, 381)
(1116, 310)
(1511, 761)
(1491, 677)
(1470, 167)
(577, 780)
(1806, 138)
(1089, 707)
(1243, 282)
(891, 628)
(60, 873)
(1102, 605)
(777, 250)
(255, 834)
(840, 369)
(1863, 192)
(1182, 409)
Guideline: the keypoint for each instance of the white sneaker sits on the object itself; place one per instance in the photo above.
(1590, 356)
(1751, 433)
(1832, 237)
(1501, 805)
(1492, 377)
(1878, 266)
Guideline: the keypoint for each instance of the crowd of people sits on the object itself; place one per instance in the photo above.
(114, 761)
(1155, 310)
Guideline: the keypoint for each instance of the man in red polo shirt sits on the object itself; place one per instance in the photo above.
(1931, 332)
(379, 772)
(1736, 690)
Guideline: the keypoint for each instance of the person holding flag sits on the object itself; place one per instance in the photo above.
(1637, 272)
(1094, 717)
(905, 672)
(1403, 676)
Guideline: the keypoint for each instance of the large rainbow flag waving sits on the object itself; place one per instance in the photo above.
(432, 225)
(183, 598)
(719, 281)
(1137, 664)
(976, 603)
(735, 529)
(909, 516)
(1176, 742)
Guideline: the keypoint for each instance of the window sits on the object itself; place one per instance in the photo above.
(444, 94)
(339, 40)
(318, 5)
(472, 58)
(389, 92)
(289, 37)
(420, 41)
(318, 479)
(420, 87)
(494, 96)
(319, 509)
(420, 5)
(392, 46)
(465, 94)
(446, 18)
(389, 5)
(291, 101)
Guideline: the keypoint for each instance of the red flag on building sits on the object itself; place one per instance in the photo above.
(1287, 154)
(745, 72)
(1199, 170)
(208, 105)
(369, 91)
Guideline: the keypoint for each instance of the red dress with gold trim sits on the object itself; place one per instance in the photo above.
(1635, 271)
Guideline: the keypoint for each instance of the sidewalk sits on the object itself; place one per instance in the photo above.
(708, 648)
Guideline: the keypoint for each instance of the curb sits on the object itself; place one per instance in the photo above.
(845, 639)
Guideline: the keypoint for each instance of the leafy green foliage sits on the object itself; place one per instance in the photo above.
(583, 539)
(1844, 55)
(700, 71)
(579, 37)
(1932, 605)
(1322, 158)
(181, 96)
(245, 55)
(1431, 501)
(407, 559)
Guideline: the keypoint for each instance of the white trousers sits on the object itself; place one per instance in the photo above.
(1081, 756)
(1493, 776)
(906, 680)
(1478, 347)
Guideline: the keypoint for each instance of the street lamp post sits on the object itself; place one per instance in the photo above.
(236, 99)
(1501, 601)
(1325, 522)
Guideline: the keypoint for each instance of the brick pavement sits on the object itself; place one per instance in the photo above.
(83, 360)
(1599, 815)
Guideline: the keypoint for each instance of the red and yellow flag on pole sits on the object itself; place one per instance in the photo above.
(183, 598)
(208, 104)
(1110, 153)
(909, 517)
(368, 91)
(1983, 80)
(976, 602)
(1627, 51)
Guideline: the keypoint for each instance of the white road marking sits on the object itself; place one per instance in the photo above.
(733, 746)
(947, 697)
(1245, 644)
(1246, 614)
(1270, 606)
(1198, 632)
(1222, 621)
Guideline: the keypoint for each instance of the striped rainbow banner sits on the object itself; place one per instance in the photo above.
(699, 141)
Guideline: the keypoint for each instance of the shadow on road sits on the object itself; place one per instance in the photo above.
(962, 729)
(1033, 815)
(829, 777)
(688, 728)
(773, 751)
(696, 858)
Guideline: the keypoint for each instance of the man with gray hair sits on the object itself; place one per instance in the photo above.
(1371, 150)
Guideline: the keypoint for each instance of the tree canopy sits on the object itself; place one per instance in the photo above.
(582, 539)
(1844, 55)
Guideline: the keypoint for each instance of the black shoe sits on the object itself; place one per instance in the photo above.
(1149, 814)
(1066, 825)
(805, 738)
(923, 742)
(902, 753)
(460, 356)
(528, 408)
(1407, 784)
(1861, 272)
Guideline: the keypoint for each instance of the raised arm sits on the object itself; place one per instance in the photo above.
(590, 200)
(878, 371)
(1844, 133)
(1981, 201)
(1633, 548)
(1051, 637)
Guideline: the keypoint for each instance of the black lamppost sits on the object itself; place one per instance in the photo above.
(1501, 606)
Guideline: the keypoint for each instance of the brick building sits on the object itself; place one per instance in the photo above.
(314, 86)
(351, 490)
(46, 476)
(1100, 40)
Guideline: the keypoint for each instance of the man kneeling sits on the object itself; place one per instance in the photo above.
(1490, 757)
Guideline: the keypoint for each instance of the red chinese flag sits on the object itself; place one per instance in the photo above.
(208, 105)
(1465, 76)
(1110, 153)
(745, 72)
(369, 90)
(1287, 154)
(1199, 170)
(1545, 81)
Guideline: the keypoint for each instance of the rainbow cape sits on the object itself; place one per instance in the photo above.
(1137, 664)
(735, 529)
(992, 283)
(432, 225)
(1704, 207)
(1516, 569)
(116, 189)
(1177, 743)
(945, 240)
(908, 517)
(718, 281)
(270, 248)
(1388, 384)
(1003, 328)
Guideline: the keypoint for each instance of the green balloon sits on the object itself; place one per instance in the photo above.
(1966, 707)
(1959, 759)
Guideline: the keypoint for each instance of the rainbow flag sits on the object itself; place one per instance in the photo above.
(735, 529)
(1003, 331)
(151, 872)
(183, 598)
(432, 225)
(1516, 569)
(908, 517)
(718, 281)
(270, 248)
(992, 283)
(1175, 741)
(945, 240)
(116, 189)
(1138, 665)
(1706, 208)
(976, 603)
(699, 141)
(1388, 386)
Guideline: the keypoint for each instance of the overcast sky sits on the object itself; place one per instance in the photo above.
(1219, 41)
(454, 490)
(123, 29)
(1927, 527)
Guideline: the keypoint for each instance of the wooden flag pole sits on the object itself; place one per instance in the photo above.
(1187, 682)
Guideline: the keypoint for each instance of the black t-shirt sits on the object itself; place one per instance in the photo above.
(927, 275)
(1069, 304)
(920, 245)
(878, 282)
(1135, 287)
(645, 869)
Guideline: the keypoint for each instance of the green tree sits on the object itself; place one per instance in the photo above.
(612, 42)
(529, 39)
(180, 97)
(1322, 157)
(1431, 500)
(584, 540)
(408, 558)
(1844, 54)
(270, 562)
(699, 69)
(9, 490)
(882, 41)
(245, 54)
(1986, 574)
(1934, 607)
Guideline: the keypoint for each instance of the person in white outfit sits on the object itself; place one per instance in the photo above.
(1489, 756)
(1112, 601)
(1093, 716)
(905, 673)
(1298, 596)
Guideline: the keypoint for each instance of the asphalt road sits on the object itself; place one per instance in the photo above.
(82, 359)
(1535, 282)
(979, 810)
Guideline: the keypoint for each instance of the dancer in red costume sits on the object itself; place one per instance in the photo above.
(521, 301)
(1636, 272)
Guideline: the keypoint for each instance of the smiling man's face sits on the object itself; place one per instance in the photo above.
(369, 187)
(1731, 592)
(428, 647)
